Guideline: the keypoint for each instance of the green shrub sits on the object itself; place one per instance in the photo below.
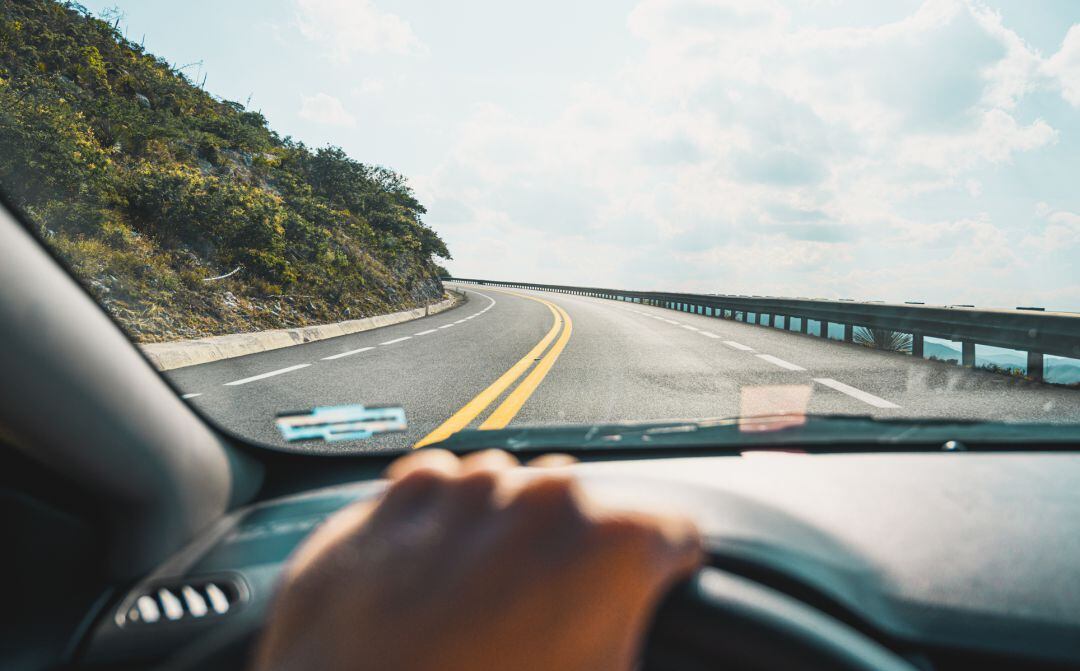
(148, 186)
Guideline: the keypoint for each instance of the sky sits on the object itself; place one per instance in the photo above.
(901, 151)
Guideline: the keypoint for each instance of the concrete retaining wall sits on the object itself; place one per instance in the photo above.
(169, 355)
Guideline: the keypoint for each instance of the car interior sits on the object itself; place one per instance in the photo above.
(140, 535)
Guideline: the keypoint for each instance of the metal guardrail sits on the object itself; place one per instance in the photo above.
(1030, 330)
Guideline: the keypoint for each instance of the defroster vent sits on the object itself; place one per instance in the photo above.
(180, 600)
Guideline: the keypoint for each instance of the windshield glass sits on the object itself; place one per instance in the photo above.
(372, 225)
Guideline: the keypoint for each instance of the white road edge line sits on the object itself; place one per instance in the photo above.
(738, 346)
(688, 327)
(708, 334)
(266, 375)
(863, 396)
(446, 326)
(395, 340)
(349, 353)
(425, 332)
(777, 361)
(191, 395)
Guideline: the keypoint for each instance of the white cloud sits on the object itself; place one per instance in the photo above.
(749, 152)
(997, 137)
(1060, 233)
(344, 28)
(326, 109)
(370, 86)
(1064, 66)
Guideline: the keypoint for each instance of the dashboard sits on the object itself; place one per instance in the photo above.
(949, 559)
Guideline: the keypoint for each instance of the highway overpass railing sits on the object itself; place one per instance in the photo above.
(1032, 330)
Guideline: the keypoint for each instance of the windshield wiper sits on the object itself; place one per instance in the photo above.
(808, 433)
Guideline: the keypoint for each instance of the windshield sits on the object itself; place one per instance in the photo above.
(375, 225)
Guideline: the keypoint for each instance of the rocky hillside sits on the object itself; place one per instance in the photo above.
(149, 187)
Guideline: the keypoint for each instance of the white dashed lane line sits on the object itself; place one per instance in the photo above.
(266, 375)
(853, 392)
(777, 361)
(332, 357)
(738, 345)
(863, 396)
(349, 353)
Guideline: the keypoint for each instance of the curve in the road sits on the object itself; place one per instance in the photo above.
(510, 407)
(512, 404)
(624, 362)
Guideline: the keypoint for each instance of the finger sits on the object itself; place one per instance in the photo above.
(668, 546)
(681, 544)
(440, 462)
(545, 501)
(551, 461)
(487, 461)
(473, 490)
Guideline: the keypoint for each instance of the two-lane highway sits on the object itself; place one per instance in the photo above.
(524, 357)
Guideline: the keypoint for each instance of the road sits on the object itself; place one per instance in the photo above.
(538, 358)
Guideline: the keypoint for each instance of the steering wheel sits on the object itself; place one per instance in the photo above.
(716, 619)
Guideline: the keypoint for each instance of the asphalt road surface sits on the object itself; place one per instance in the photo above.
(524, 357)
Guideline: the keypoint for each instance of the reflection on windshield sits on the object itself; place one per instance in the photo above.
(787, 401)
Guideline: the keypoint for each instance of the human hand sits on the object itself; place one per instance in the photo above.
(470, 564)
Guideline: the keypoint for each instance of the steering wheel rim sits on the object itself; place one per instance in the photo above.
(718, 619)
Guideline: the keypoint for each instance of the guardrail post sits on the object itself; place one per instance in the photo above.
(1036, 366)
(849, 333)
(804, 325)
(967, 355)
(917, 345)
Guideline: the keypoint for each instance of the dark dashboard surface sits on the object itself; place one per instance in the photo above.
(969, 552)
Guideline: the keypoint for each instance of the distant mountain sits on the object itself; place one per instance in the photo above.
(939, 351)
(1057, 371)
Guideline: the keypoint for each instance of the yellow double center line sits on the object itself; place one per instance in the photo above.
(510, 406)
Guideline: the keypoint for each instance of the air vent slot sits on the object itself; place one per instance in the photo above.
(181, 600)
